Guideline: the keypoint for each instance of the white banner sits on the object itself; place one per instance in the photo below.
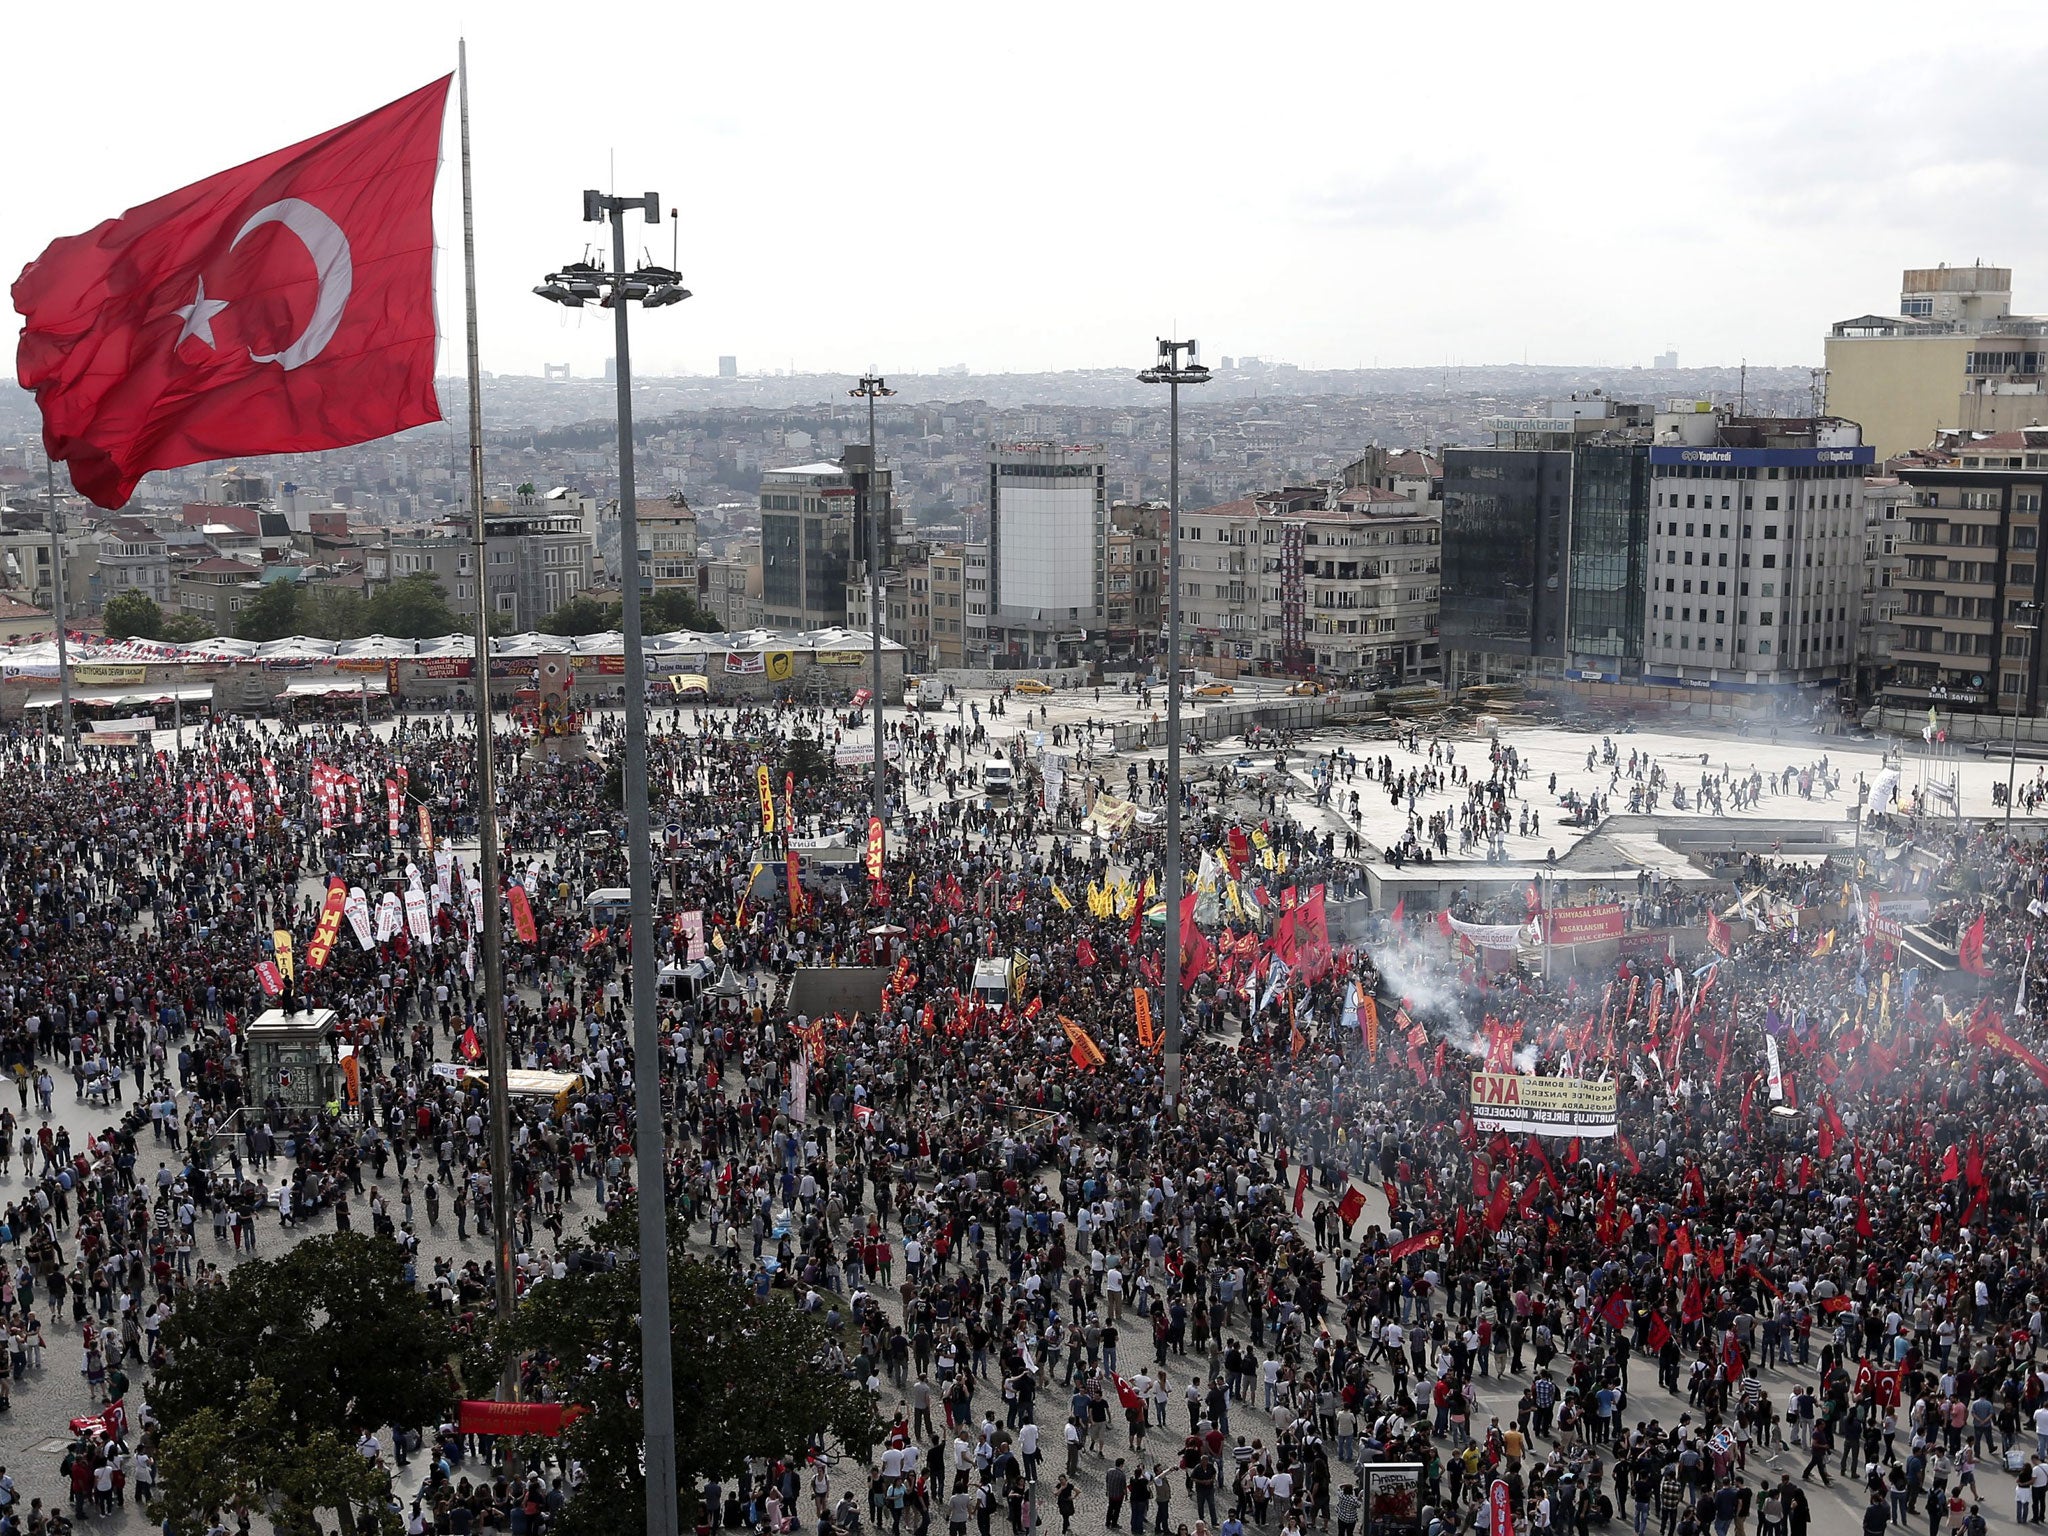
(416, 916)
(1491, 935)
(357, 910)
(1777, 1070)
(1549, 1106)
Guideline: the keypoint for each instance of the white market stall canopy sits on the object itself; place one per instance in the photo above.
(338, 688)
(197, 693)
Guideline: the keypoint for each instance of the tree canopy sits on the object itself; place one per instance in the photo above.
(133, 615)
(661, 613)
(413, 607)
(347, 1343)
(748, 1380)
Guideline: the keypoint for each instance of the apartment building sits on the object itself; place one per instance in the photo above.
(1133, 596)
(948, 564)
(130, 556)
(667, 536)
(1972, 583)
(1757, 551)
(537, 556)
(1314, 578)
(976, 587)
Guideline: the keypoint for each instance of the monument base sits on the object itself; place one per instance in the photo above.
(569, 748)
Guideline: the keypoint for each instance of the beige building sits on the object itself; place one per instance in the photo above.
(1132, 603)
(731, 590)
(1955, 357)
(949, 606)
(667, 535)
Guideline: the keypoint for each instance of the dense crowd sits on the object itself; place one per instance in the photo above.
(1817, 1219)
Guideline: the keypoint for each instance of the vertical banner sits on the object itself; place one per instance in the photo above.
(1143, 1004)
(875, 848)
(328, 929)
(1500, 1510)
(767, 789)
(426, 827)
(357, 910)
(693, 935)
(394, 807)
(1777, 1069)
(789, 802)
(800, 1087)
(281, 941)
(1369, 1010)
(796, 890)
(522, 914)
(416, 922)
(351, 1076)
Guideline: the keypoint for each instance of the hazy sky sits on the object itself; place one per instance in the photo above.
(907, 186)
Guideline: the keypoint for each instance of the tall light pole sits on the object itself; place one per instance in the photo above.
(498, 1048)
(1176, 366)
(870, 389)
(2012, 759)
(57, 605)
(653, 287)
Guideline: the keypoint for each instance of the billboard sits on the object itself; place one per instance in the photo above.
(1548, 1106)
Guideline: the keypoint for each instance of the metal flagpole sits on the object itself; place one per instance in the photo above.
(487, 775)
(65, 747)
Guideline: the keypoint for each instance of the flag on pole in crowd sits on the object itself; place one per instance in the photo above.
(1301, 1189)
(766, 790)
(1085, 1052)
(1970, 948)
(281, 946)
(1143, 1004)
(1351, 1207)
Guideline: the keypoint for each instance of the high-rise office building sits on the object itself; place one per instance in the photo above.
(1757, 552)
(814, 538)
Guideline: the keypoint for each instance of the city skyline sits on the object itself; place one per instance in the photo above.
(1050, 198)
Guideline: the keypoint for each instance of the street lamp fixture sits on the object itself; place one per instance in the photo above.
(1177, 365)
(617, 290)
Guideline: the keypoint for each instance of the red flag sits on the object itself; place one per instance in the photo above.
(471, 1048)
(1301, 1189)
(1615, 1313)
(1970, 948)
(1351, 1207)
(1659, 1331)
(1421, 1242)
(1694, 1306)
(1863, 1226)
(1400, 909)
(1950, 1165)
(285, 306)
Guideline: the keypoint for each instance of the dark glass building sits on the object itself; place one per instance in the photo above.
(1610, 545)
(1502, 600)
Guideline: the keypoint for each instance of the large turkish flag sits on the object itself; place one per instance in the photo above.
(281, 307)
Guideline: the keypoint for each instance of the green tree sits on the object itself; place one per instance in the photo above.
(413, 607)
(332, 1323)
(219, 1462)
(748, 1380)
(333, 613)
(183, 628)
(581, 615)
(673, 609)
(807, 759)
(272, 614)
(134, 614)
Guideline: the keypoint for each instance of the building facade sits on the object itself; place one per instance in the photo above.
(1972, 583)
(667, 535)
(1757, 549)
(536, 556)
(1132, 613)
(1313, 579)
(1954, 358)
(1545, 545)
(1048, 519)
(814, 538)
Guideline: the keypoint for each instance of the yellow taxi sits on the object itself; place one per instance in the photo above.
(1031, 687)
(1307, 688)
(1214, 691)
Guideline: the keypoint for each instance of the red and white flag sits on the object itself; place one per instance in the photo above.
(284, 306)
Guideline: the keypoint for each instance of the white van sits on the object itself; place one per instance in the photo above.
(997, 777)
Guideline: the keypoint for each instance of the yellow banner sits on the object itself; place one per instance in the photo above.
(109, 675)
(767, 789)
